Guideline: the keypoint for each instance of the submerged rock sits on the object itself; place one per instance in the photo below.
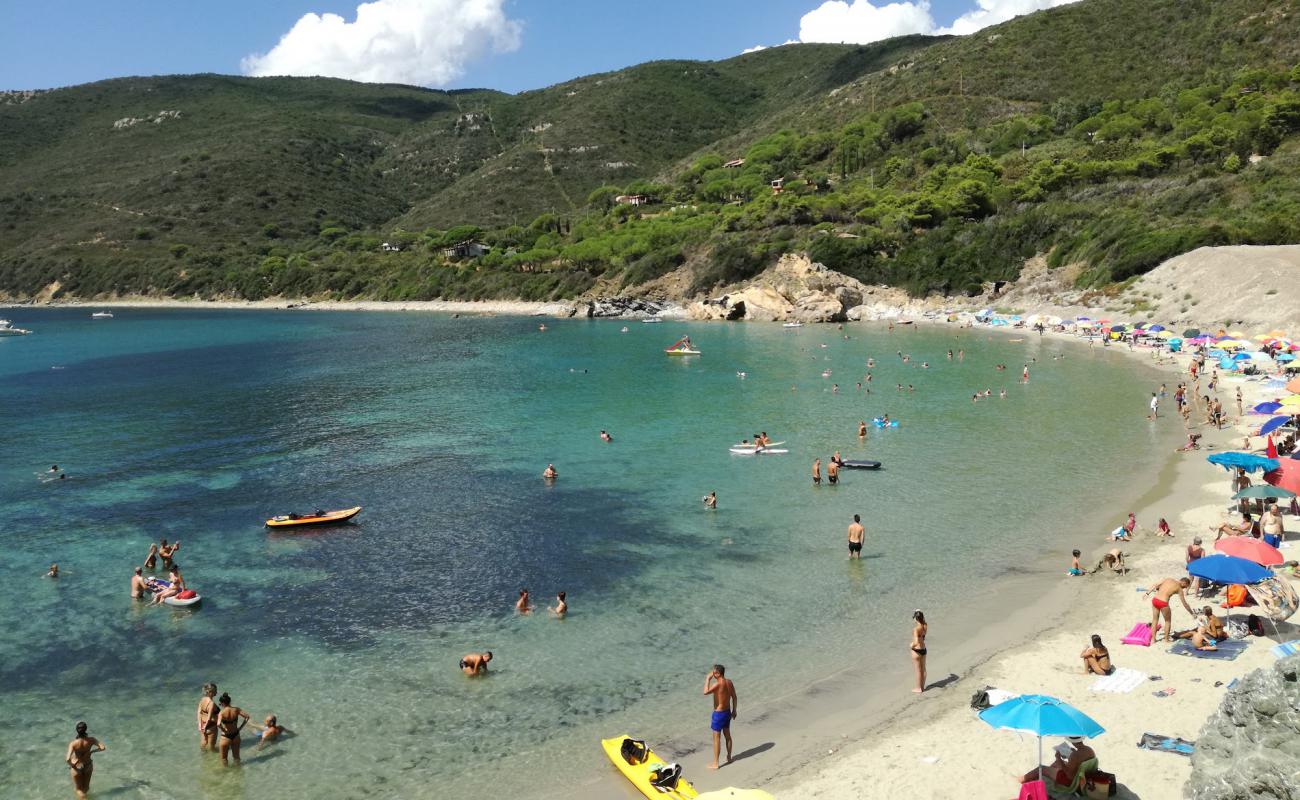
(1249, 748)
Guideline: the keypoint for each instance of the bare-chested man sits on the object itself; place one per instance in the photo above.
(724, 709)
(166, 551)
(833, 472)
(856, 533)
(138, 587)
(475, 663)
(524, 605)
(78, 759)
(1164, 591)
(817, 472)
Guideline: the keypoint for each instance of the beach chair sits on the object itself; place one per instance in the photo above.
(1034, 790)
(1056, 790)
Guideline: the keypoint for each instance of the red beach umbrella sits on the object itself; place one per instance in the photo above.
(1271, 452)
(1286, 476)
(1251, 549)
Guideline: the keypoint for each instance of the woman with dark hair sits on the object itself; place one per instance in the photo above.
(1096, 659)
(229, 725)
(918, 649)
(78, 758)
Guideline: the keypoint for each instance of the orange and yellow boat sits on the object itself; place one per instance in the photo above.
(314, 518)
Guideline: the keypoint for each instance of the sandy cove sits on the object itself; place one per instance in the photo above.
(938, 748)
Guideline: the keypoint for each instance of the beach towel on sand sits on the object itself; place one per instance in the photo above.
(1140, 635)
(1167, 744)
(1122, 681)
(1228, 650)
(1285, 649)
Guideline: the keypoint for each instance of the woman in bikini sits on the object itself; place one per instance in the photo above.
(78, 758)
(918, 649)
(207, 717)
(230, 726)
(1096, 659)
(151, 560)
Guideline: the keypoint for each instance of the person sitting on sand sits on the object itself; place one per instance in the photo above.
(1214, 627)
(549, 473)
(269, 731)
(1096, 659)
(1075, 567)
(1061, 771)
(1242, 529)
(1162, 528)
(1163, 592)
(476, 663)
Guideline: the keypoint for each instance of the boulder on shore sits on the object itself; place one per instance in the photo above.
(1249, 748)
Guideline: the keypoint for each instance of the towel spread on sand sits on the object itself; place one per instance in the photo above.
(1285, 649)
(1167, 744)
(1228, 650)
(1122, 681)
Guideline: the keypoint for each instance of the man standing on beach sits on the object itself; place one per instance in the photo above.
(1164, 591)
(1155, 404)
(724, 709)
(856, 534)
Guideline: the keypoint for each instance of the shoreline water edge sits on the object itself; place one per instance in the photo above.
(924, 746)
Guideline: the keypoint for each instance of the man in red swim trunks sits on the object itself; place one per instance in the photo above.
(1164, 591)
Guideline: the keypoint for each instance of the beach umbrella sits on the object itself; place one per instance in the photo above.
(1156, 328)
(1285, 475)
(1290, 400)
(1271, 450)
(1286, 357)
(1250, 462)
(1236, 334)
(1192, 333)
(1276, 598)
(1041, 716)
(1266, 408)
(1118, 328)
(1241, 357)
(1293, 385)
(1273, 424)
(1251, 549)
(1262, 491)
(1227, 569)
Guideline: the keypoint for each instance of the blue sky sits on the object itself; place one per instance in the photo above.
(528, 44)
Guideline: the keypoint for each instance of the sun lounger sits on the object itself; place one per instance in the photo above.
(1228, 650)
(1167, 744)
(1034, 790)
(1057, 790)
(1122, 681)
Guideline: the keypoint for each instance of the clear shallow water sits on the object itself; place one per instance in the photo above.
(199, 425)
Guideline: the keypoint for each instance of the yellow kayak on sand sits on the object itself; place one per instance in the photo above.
(639, 764)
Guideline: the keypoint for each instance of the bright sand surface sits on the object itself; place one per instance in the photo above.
(937, 747)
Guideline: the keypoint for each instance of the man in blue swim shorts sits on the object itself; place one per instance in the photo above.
(724, 709)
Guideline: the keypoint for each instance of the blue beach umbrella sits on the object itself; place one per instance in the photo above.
(1227, 569)
(1286, 357)
(1247, 461)
(1266, 408)
(1042, 716)
(1241, 357)
(1272, 425)
(1156, 328)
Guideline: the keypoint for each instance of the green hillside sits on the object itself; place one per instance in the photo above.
(1114, 133)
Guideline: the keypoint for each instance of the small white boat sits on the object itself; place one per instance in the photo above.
(792, 325)
(762, 451)
(102, 315)
(7, 329)
(651, 321)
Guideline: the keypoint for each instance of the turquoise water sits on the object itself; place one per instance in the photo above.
(199, 425)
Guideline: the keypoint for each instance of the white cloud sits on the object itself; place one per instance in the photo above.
(753, 49)
(861, 22)
(422, 42)
(991, 12)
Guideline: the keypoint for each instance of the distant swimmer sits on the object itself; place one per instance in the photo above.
(54, 571)
(817, 472)
(475, 663)
(269, 731)
(741, 375)
(767, 440)
(605, 437)
(549, 473)
(54, 468)
(561, 606)
(833, 472)
(541, 327)
(862, 429)
(138, 586)
(523, 605)
(1002, 394)
(78, 759)
(711, 500)
(856, 534)
(724, 709)
(925, 365)
(151, 560)
(950, 355)
(835, 388)
(871, 363)
(1024, 376)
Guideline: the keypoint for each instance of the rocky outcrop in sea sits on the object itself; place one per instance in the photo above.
(1250, 748)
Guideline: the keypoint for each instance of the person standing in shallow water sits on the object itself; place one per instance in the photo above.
(78, 759)
(229, 725)
(919, 650)
(856, 533)
(207, 717)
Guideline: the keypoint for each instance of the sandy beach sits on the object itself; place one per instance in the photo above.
(937, 743)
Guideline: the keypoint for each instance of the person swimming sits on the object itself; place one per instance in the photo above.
(524, 604)
(475, 663)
